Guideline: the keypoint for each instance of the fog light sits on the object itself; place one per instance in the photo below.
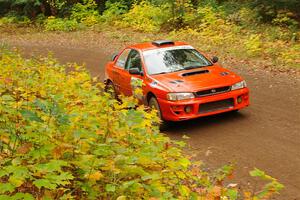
(239, 99)
(188, 109)
(246, 97)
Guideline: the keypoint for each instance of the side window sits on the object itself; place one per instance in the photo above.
(134, 60)
(122, 58)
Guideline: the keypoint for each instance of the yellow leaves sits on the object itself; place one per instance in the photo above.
(18, 104)
(184, 190)
(180, 174)
(254, 45)
(4, 139)
(84, 146)
(96, 176)
(247, 195)
(43, 93)
(145, 161)
(15, 181)
(184, 162)
(121, 198)
(141, 17)
(111, 166)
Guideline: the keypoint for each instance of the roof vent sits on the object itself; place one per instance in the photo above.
(162, 42)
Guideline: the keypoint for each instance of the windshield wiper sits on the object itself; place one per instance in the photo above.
(192, 67)
(187, 68)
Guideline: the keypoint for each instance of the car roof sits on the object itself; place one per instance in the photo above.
(150, 45)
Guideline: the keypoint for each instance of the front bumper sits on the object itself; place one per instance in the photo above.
(176, 111)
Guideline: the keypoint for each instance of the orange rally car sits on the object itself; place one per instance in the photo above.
(179, 81)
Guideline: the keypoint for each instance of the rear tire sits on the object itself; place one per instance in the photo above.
(153, 104)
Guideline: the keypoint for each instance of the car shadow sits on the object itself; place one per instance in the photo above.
(201, 124)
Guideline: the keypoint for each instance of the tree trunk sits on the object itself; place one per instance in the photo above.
(101, 5)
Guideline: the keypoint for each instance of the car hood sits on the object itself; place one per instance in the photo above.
(197, 79)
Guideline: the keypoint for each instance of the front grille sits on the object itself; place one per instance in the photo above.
(216, 105)
(213, 91)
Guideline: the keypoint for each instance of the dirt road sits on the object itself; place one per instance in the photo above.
(266, 135)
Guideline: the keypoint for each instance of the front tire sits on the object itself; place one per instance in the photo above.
(153, 104)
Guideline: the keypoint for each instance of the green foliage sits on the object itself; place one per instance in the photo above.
(59, 24)
(245, 17)
(284, 20)
(144, 17)
(63, 138)
(269, 9)
(270, 187)
(14, 20)
(20, 7)
(114, 11)
(85, 13)
(56, 5)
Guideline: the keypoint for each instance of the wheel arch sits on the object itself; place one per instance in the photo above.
(108, 80)
(149, 96)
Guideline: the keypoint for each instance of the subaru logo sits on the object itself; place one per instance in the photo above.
(213, 90)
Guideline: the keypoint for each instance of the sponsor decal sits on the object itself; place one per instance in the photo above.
(153, 84)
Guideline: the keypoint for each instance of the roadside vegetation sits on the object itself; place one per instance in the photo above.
(266, 30)
(62, 137)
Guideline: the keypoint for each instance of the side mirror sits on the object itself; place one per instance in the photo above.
(215, 59)
(135, 71)
(113, 57)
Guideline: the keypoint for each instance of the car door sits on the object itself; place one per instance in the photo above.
(119, 69)
(133, 61)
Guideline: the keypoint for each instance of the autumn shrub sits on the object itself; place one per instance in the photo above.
(62, 137)
(59, 24)
(285, 19)
(144, 17)
(291, 55)
(113, 12)
(14, 20)
(253, 44)
(85, 13)
(245, 17)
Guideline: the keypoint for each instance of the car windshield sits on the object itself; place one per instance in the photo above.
(167, 60)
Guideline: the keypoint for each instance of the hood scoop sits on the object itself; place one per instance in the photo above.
(195, 73)
(176, 81)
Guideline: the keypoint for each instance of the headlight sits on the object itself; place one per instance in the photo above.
(180, 96)
(239, 85)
